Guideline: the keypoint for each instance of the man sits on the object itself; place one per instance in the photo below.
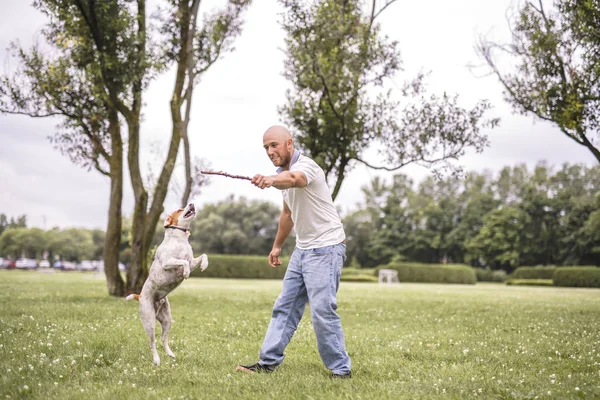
(314, 269)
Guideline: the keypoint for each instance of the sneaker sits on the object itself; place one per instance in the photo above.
(342, 376)
(259, 368)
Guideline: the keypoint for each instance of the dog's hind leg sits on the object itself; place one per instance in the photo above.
(164, 317)
(148, 315)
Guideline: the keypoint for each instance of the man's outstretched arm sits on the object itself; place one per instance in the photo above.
(283, 180)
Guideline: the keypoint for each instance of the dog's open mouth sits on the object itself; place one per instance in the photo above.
(191, 211)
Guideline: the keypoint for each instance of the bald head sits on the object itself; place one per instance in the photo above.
(277, 141)
(277, 132)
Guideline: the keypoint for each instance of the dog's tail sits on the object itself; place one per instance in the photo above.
(133, 296)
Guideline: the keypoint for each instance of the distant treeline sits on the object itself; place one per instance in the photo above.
(516, 217)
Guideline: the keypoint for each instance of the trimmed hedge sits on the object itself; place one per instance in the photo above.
(241, 267)
(359, 278)
(529, 282)
(533, 273)
(350, 274)
(577, 277)
(487, 275)
(432, 273)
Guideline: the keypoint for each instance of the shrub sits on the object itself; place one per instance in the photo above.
(432, 273)
(533, 273)
(529, 282)
(487, 275)
(359, 278)
(241, 266)
(577, 277)
(358, 271)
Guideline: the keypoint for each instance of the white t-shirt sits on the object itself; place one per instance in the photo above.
(316, 221)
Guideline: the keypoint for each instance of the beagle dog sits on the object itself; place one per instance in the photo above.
(173, 262)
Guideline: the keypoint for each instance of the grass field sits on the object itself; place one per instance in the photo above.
(62, 337)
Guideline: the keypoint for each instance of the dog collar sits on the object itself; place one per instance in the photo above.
(177, 227)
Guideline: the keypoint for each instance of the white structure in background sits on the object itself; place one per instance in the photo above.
(388, 276)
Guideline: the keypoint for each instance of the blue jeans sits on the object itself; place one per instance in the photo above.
(312, 275)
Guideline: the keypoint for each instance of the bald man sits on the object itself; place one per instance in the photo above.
(314, 269)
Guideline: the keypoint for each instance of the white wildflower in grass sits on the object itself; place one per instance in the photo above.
(120, 383)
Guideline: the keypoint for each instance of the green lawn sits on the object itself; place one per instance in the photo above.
(63, 337)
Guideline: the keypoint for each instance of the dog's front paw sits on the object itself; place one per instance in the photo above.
(186, 272)
(203, 262)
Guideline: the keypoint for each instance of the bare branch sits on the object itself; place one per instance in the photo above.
(389, 3)
(29, 114)
(226, 174)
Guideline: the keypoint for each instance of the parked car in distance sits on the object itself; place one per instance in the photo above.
(68, 266)
(3, 263)
(44, 264)
(26, 263)
(85, 265)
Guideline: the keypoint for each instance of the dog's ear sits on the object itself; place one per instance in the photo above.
(168, 221)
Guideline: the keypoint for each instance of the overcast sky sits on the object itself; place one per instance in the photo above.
(237, 100)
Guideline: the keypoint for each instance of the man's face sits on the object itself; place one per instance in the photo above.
(278, 150)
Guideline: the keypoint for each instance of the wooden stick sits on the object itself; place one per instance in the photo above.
(226, 174)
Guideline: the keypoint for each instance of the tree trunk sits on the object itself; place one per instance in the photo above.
(112, 241)
(160, 192)
(138, 269)
(340, 178)
(188, 167)
(590, 146)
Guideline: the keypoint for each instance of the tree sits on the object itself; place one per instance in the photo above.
(338, 61)
(555, 75)
(103, 64)
(499, 242)
(98, 60)
(236, 226)
(193, 51)
(20, 222)
(23, 242)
